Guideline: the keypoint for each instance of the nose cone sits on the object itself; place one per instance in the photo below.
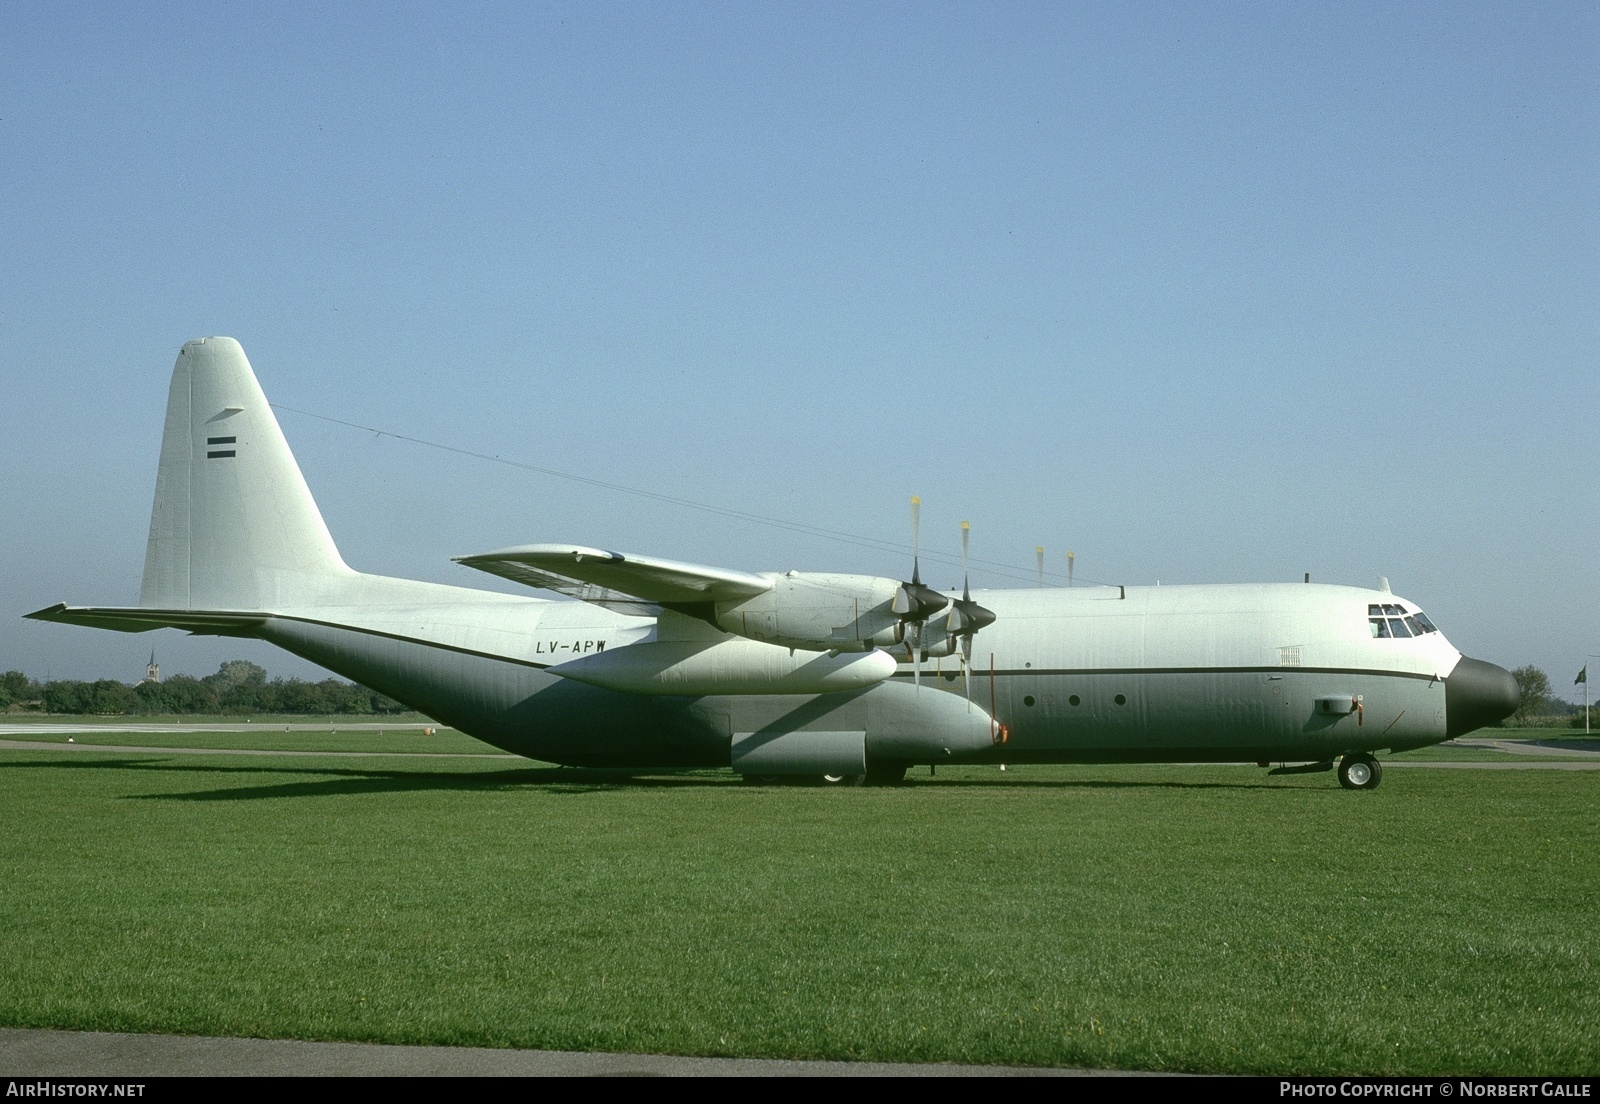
(1478, 694)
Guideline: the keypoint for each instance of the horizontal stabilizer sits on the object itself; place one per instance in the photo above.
(121, 619)
(642, 577)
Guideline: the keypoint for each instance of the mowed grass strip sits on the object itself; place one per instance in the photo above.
(1162, 918)
(1454, 753)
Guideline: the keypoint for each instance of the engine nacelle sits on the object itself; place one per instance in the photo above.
(843, 613)
(901, 726)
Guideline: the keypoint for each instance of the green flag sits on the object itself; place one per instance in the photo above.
(1583, 675)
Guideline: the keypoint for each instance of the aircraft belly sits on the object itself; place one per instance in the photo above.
(1260, 713)
(1164, 710)
(516, 706)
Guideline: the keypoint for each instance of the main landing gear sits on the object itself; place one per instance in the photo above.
(878, 774)
(1359, 771)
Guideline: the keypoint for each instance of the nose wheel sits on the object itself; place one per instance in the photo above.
(1360, 771)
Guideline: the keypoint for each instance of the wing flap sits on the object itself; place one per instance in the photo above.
(617, 577)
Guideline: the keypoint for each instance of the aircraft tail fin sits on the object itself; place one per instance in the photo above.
(234, 525)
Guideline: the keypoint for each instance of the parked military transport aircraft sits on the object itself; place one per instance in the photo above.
(847, 677)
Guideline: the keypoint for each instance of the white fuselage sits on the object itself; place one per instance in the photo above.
(1093, 673)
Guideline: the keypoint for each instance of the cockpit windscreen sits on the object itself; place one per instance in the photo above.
(1392, 621)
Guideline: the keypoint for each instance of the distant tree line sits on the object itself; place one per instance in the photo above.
(1540, 708)
(238, 687)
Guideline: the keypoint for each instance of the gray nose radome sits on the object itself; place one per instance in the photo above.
(1478, 694)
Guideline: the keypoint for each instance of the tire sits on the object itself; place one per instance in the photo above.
(844, 779)
(1360, 771)
(886, 774)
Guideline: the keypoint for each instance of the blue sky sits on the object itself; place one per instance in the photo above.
(1205, 294)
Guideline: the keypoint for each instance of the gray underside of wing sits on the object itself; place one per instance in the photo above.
(593, 593)
(626, 583)
(137, 619)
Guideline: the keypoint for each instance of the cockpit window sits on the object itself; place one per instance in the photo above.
(1391, 621)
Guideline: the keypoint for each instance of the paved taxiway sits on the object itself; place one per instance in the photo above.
(32, 1053)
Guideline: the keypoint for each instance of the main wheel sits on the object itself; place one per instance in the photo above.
(886, 774)
(844, 779)
(1360, 771)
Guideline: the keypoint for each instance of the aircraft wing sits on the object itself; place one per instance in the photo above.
(593, 593)
(616, 580)
(139, 619)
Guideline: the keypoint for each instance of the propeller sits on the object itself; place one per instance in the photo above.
(915, 602)
(966, 616)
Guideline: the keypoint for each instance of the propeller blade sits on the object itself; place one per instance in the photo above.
(966, 537)
(966, 616)
(966, 665)
(916, 540)
(902, 603)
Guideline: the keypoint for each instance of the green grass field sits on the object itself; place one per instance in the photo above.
(1160, 918)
